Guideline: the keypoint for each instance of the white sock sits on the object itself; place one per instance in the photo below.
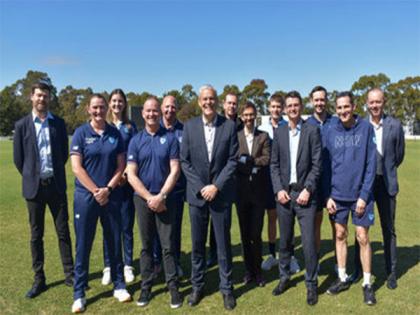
(342, 274)
(366, 278)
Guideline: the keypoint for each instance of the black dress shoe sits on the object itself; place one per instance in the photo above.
(311, 296)
(260, 281)
(69, 281)
(281, 287)
(229, 301)
(195, 297)
(37, 289)
(391, 282)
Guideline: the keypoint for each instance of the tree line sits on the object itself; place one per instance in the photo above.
(403, 99)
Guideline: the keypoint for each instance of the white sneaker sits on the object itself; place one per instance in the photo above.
(179, 271)
(294, 265)
(269, 263)
(79, 306)
(106, 278)
(122, 295)
(128, 274)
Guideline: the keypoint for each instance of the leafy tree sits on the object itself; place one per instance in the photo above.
(256, 92)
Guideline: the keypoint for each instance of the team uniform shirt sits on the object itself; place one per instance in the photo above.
(127, 131)
(177, 130)
(352, 153)
(152, 154)
(99, 153)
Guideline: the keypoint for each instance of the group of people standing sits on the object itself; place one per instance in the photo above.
(292, 168)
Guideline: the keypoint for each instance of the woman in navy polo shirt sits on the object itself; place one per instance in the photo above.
(117, 116)
(97, 159)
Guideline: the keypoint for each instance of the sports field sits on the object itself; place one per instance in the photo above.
(16, 274)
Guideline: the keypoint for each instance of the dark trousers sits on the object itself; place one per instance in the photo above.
(127, 223)
(221, 220)
(212, 243)
(178, 207)
(48, 195)
(251, 220)
(151, 223)
(86, 214)
(306, 217)
(386, 207)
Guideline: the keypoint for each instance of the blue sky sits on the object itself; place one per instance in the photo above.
(159, 46)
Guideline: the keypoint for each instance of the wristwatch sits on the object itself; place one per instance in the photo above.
(109, 189)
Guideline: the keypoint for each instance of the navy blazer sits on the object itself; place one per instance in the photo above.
(309, 161)
(393, 148)
(26, 154)
(197, 168)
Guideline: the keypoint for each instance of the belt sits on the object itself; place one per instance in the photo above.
(295, 187)
(46, 181)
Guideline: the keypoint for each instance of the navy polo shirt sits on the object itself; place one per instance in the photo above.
(99, 152)
(127, 131)
(152, 154)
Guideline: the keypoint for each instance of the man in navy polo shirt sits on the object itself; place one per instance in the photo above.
(153, 169)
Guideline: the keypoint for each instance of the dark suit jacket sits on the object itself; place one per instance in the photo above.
(308, 164)
(196, 166)
(251, 186)
(26, 155)
(393, 148)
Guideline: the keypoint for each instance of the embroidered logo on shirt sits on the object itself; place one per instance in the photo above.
(180, 139)
(111, 140)
(75, 147)
(90, 140)
(77, 216)
(371, 216)
(130, 157)
(126, 129)
(162, 140)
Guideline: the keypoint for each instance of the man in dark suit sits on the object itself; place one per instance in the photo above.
(252, 178)
(40, 151)
(295, 170)
(208, 159)
(390, 147)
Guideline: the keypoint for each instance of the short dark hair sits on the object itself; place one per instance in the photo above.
(348, 94)
(318, 88)
(42, 86)
(247, 105)
(277, 98)
(293, 94)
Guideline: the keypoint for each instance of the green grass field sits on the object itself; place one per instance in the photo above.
(16, 274)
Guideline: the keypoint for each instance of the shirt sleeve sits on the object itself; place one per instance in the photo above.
(174, 149)
(132, 151)
(77, 144)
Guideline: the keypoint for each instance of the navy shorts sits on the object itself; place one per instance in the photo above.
(345, 207)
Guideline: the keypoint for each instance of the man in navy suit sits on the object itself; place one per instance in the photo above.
(208, 159)
(390, 146)
(295, 170)
(40, 151)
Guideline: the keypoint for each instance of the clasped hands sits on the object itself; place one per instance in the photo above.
(303, 198)
(101, 195)
(209, 192)
(360, 207)
(156, 203)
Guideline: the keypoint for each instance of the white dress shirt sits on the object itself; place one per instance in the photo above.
(43, 141)
(249, 136)
(209, 133)
(378, 128)
(294, 137)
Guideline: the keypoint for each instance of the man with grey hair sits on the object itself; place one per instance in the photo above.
(208, 159)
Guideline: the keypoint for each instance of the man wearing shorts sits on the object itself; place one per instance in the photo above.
(352, 149)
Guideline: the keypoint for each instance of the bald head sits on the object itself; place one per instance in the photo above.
(375, 103)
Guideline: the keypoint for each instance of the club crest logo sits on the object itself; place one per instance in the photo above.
(111, 140)
(126, 129)
(371, 216)
(180, 139)
(75, 147)
(162, 140)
